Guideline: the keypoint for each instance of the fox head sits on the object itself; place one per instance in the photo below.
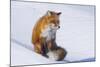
(53, 20)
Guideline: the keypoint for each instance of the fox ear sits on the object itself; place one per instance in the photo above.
(59, 13)
(49, 13)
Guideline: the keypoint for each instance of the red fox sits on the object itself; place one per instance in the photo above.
(44, 36)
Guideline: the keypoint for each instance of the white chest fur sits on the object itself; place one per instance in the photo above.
(48, 33)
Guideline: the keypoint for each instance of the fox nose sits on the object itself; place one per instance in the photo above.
(58, 26)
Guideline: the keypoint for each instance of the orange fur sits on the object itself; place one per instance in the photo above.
(37, 40)
(44, 40)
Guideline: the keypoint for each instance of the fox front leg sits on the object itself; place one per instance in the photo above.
(44, 47)
(51, 44)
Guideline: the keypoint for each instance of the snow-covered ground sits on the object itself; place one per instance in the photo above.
(76, 35)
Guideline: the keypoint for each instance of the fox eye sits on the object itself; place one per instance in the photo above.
(57, 21)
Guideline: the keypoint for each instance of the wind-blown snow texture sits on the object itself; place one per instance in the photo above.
(76, 34)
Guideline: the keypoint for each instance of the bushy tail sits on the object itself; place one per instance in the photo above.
(57, 54)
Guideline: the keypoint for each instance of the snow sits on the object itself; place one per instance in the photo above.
(21, 56)
(76, 34)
